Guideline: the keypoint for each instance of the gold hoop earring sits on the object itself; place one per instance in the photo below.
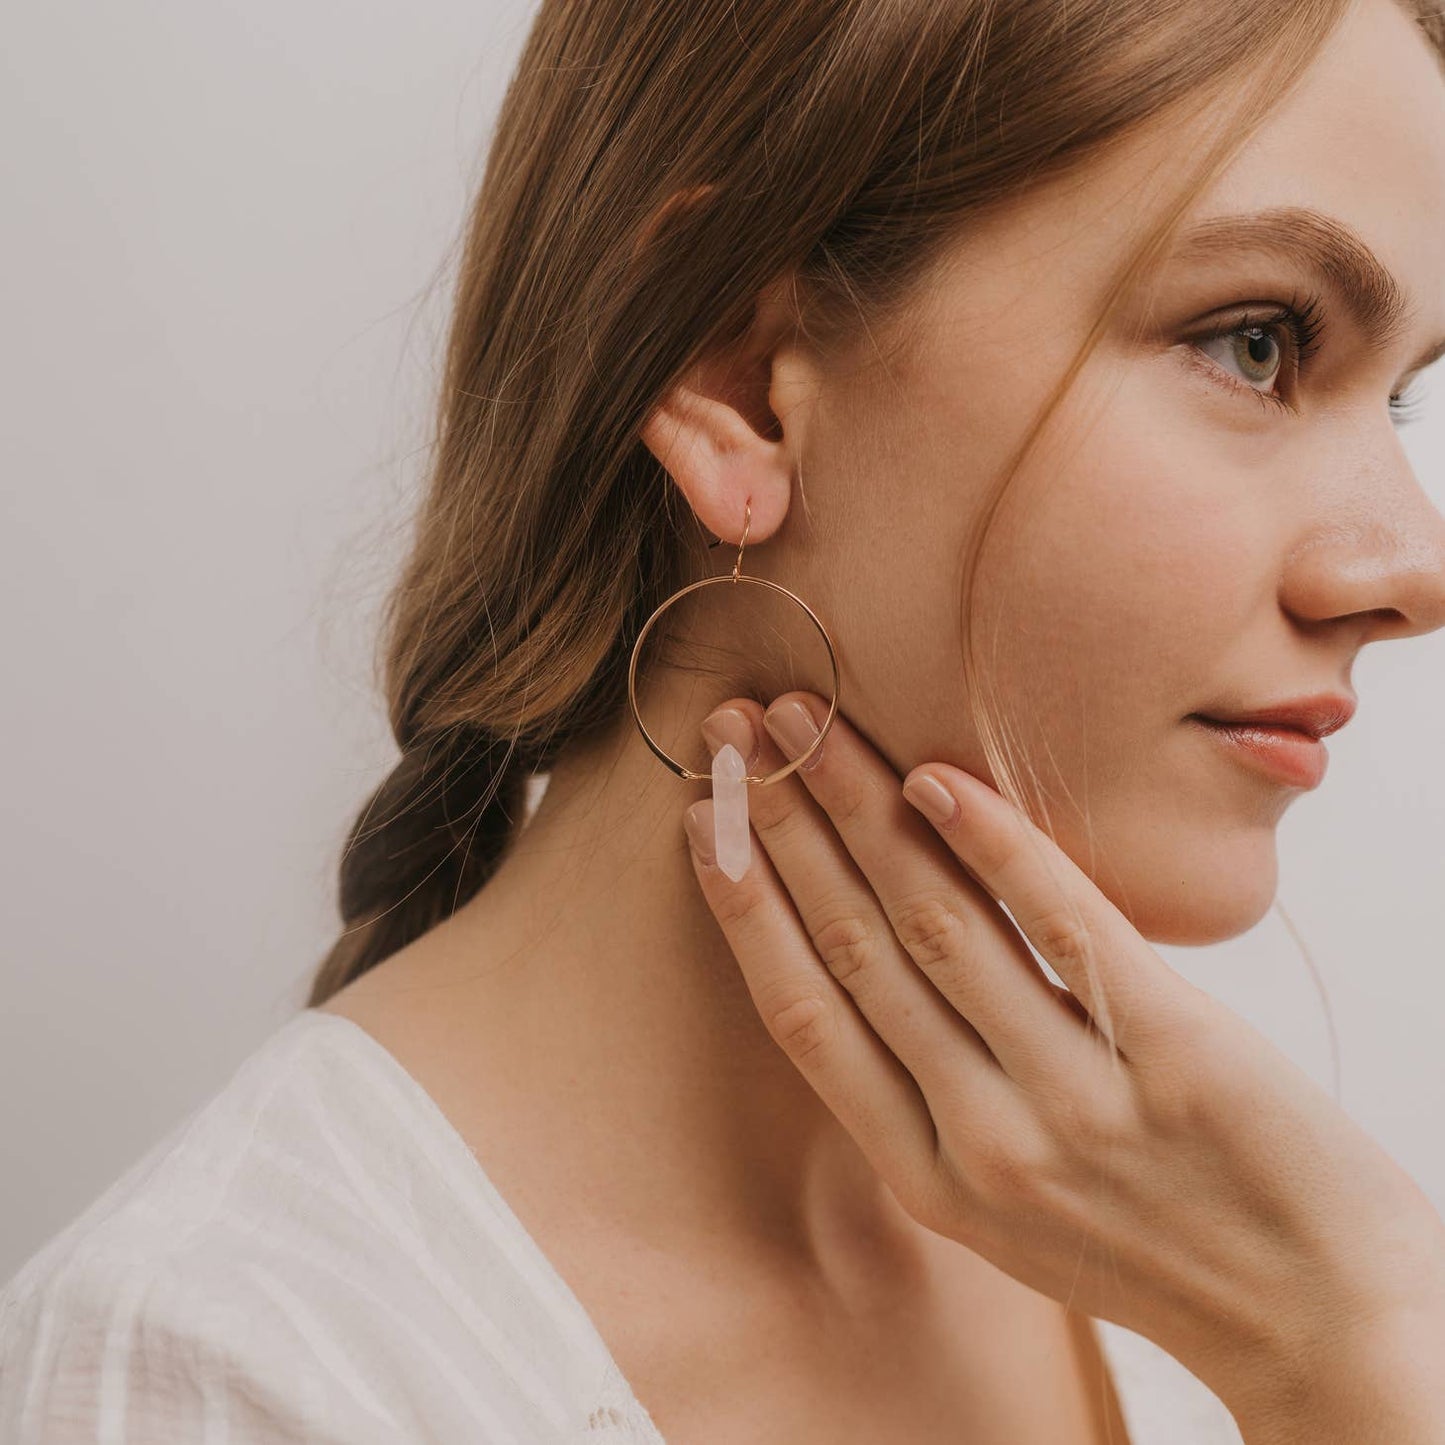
(729, 776)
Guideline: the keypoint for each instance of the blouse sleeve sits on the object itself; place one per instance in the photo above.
(104, 1350)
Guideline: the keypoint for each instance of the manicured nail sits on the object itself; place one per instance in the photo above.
(697, 823)
(792, 727)
(931, 799)
(728, 725)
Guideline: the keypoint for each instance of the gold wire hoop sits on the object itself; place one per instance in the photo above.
(734, 576)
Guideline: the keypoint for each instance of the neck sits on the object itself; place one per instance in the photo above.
(614, 1013)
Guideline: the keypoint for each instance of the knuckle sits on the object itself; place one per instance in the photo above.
(992, 848)
(1005, 1172)
(738, 907)
(1177, 1014)
(1088, 1122)
(803, 1026)
(1193, 1085)
(847, 800)
(930, 1200)
(780, 818)
(928, 928)
(1061, 936)
(846, 944)
(1173, 1100)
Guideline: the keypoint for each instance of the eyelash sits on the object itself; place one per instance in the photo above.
(1301, 319)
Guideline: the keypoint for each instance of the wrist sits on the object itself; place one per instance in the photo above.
(1379, 1384)
(1361, 1362)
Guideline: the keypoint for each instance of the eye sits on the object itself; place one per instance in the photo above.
(1255, 350)
(1251, 352)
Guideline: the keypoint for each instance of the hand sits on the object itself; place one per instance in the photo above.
(1194, 1186)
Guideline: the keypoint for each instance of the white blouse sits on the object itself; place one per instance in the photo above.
(316, 1255)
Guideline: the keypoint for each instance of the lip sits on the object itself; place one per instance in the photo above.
(1287, 755)
(1319, 716)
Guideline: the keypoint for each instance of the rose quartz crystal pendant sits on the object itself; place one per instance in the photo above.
(731, 837)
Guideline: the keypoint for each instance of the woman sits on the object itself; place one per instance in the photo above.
(585, 1134)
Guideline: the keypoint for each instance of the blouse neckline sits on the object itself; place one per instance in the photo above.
(616, 1403)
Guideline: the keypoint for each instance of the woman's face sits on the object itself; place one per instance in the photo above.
(1199, 530)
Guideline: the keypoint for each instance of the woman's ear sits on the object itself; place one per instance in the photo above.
(718, 437)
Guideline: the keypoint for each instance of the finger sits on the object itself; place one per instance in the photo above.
(951, 927)
(812, 1019)
(843, 919)
(1127, 988)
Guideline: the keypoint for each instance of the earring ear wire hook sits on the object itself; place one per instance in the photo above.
(747, 522)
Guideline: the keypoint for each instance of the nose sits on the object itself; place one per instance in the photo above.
(1377, 552)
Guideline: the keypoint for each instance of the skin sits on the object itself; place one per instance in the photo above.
(1172, 545)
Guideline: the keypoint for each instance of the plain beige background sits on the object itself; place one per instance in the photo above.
(221, 224)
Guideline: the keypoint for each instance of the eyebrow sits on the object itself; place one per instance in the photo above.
(1331, 251)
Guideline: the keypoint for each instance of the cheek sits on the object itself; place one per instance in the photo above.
(1127, 561)
(1127, 572)
(1118, 580)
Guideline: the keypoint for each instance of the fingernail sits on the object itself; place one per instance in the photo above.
(931, 798)
(728, 725)
(792, 727)
(697, 823)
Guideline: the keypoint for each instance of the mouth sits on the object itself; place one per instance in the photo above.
(1317, 716)
(1287, 755)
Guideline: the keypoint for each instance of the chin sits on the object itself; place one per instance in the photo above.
(1188, 875)
(1211, 902)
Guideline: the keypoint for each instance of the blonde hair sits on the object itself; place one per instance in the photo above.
(844, 142)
